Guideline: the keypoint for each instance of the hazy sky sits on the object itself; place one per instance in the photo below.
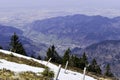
(61, 4)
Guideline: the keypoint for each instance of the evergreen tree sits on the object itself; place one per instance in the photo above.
(83, 61)
(49, 54)
(52, 53)
(84, 57)
(66, 56)
(16, 45)
(72, 61)
(108, 71)
(76, 62)
(94, 67)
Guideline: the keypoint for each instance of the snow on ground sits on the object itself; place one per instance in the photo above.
(18, 67)
(71, 75)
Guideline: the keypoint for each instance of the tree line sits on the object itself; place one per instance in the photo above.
(78, 62)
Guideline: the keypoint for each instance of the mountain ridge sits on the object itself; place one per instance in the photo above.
(77, 29)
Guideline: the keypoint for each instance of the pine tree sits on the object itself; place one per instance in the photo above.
(76, 62)
(52, 53)
(72, 60)
(108, 71)
(16, 45)
(66, 56)
(49, 54)
(94, 67)
(83, 61)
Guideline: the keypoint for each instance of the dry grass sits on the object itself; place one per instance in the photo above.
(29, 76)
(20, 60)
(6, 74)
(9, 75)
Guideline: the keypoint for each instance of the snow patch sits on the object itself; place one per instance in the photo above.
(18, 67)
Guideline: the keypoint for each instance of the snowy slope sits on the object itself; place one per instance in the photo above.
(18, 67)
(71, 75)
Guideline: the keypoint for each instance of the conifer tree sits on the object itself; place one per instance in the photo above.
(66, 56)
(77, 62)
(83, 61)
(72, 60)
(49, 54)
(52, 53)
(108, 71)
(94, 67)
(16, 45)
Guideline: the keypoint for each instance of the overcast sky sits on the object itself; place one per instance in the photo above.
(61, 4)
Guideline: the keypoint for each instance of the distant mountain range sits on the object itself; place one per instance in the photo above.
(79, 30)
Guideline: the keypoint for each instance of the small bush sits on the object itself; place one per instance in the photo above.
(48, 73)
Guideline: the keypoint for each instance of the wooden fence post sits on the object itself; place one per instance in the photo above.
(48, 61)
(56, 77)
(66, 66)
(84, 73)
